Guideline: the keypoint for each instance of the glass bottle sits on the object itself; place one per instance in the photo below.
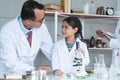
(92, 42)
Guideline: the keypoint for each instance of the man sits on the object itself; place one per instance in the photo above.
(114, 42)
(17, 49)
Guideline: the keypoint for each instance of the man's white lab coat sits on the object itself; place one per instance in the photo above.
(16, 56)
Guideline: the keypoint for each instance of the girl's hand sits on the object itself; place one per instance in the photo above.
(58, 73)
(80, 50)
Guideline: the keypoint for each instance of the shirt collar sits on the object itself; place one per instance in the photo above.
(22, 26)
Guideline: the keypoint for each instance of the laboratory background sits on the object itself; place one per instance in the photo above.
(9, 9)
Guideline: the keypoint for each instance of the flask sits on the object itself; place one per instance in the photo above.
(92, 42)
(102, 66)
(114, 67)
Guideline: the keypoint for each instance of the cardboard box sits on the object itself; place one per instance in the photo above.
(53, 6)
(51, 10)
(66, 5)
(14, 76)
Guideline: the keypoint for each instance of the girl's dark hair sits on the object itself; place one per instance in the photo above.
(27, 11)
(75, 22)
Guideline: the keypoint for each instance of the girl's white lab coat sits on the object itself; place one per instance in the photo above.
(62, 59)
(16, 56)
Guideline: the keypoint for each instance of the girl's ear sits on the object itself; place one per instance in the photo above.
(75, 29)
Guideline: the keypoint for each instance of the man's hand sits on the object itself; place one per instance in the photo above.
(100, 32)
(43, 68)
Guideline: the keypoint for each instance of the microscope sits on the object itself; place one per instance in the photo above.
(79, 62)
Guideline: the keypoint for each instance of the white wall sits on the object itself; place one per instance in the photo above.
(9, 9)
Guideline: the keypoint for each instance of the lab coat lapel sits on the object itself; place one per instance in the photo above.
(22, 47)
(65, 47)
(36, 41)
(66, 52)
(72, 52)
(70, 56)
(74, 47)
(21, 38)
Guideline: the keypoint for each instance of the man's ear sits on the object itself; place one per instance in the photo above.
(28, 21)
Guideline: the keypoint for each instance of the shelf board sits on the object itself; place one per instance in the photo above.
(49, 13)
(85, 16)
(99, 48)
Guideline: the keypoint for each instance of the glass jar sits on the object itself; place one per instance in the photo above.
(99, 43)
(102, 11)
(104, 45)
(98, 10)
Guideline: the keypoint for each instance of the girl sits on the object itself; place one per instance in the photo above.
(64, 51)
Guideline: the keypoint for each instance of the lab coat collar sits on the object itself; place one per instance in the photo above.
(19, 32)
(74, 46)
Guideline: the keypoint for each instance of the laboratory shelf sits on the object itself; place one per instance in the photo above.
(85, 16)
(82, 16)
(99, 49)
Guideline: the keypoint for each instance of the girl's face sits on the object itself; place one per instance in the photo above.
(67, 30)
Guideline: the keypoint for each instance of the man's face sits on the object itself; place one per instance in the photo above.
(39, 18)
